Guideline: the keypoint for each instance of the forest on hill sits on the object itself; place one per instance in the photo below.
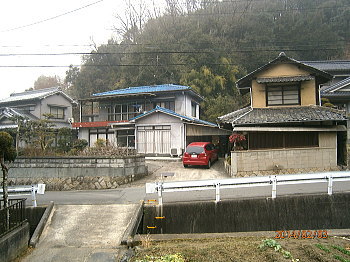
(209, 44)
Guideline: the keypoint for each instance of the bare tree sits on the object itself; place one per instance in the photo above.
(131, 24)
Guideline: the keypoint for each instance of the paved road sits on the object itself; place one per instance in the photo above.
(83, 233)
(134, 192)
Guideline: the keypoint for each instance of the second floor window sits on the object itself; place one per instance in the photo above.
(57, 112)
(282, 95)
(123, 111)
(193, 109)
(166, 104)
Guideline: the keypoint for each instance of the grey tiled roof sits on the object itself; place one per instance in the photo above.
(250, 116)
(284, 79)
(12, 112)
(34, 95)
(336, 89)
(245, 81)
(330, 65)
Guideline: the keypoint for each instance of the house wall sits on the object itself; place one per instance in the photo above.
(183, 103)
(61, 101)
(290, 160)
(176, 132)
(308, 88)
(83, 133)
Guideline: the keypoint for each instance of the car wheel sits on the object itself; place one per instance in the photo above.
(185, 166)
(209, 164)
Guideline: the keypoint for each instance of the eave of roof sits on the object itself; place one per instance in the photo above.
(284, 79)
(172, 113)
(336, 87)
(330, 65)
(282, 115)
(9, 112)
(282, 58)
(97, 123)
(141, 91)
(35, 95)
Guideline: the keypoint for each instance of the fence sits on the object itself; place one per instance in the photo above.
(273, 181)
(12, 216)
(26, 191)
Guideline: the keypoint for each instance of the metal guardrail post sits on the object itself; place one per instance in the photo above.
(160, 193)
(330, 184)
(274, 187)
(217, 192)
(33, 196)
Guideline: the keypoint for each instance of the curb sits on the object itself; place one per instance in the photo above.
(39, 229)
(128, 237)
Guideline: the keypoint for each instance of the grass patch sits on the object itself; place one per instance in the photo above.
(337, 257)
(341, 249)
(322, 247)
(244, 249)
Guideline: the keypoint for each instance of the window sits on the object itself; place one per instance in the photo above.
(166, 104)
(124, 111)
(283, 95)
(126, 138)
(57, 112)
(193, 109)
(262, 140)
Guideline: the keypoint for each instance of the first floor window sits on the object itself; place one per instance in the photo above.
(57, 112)
(269, 140)
(126, 138)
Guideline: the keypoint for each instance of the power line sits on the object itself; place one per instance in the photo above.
(277, 42)
(246, 50)
(51, 18)
(264, 11)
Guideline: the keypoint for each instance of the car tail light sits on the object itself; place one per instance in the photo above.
(186, 154)
(202, 155)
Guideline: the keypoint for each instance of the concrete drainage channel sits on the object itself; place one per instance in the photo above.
(202, 219)
(28, 233)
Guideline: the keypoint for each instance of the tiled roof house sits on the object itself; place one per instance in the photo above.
(285, 127)
(32, 105)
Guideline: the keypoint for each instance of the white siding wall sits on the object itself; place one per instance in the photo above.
(57, 100)
(175, 135)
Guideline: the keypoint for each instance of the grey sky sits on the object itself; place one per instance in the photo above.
(73, 32)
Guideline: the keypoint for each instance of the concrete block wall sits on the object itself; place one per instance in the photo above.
(14, 243)
(279, 161)
(77, 173)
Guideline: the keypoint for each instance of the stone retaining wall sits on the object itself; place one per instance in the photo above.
(77, 173)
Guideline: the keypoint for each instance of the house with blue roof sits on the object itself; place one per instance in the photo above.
(155, 120)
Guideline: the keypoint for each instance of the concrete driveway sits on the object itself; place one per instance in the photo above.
(179, 173)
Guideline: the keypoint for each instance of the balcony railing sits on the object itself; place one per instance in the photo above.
(12, 216)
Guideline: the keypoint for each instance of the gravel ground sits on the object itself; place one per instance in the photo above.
(156, 168)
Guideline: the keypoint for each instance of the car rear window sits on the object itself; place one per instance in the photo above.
(194, 149)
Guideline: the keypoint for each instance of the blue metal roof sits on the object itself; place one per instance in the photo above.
(170, 112)
(144, 89)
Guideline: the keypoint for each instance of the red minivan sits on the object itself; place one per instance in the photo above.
(200, 154)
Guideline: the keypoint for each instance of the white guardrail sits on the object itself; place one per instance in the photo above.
(273, 181)
(26, 191)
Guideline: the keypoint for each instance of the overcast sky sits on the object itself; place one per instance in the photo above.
(72, 32)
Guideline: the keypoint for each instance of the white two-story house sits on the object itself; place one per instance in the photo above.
(155, 120)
